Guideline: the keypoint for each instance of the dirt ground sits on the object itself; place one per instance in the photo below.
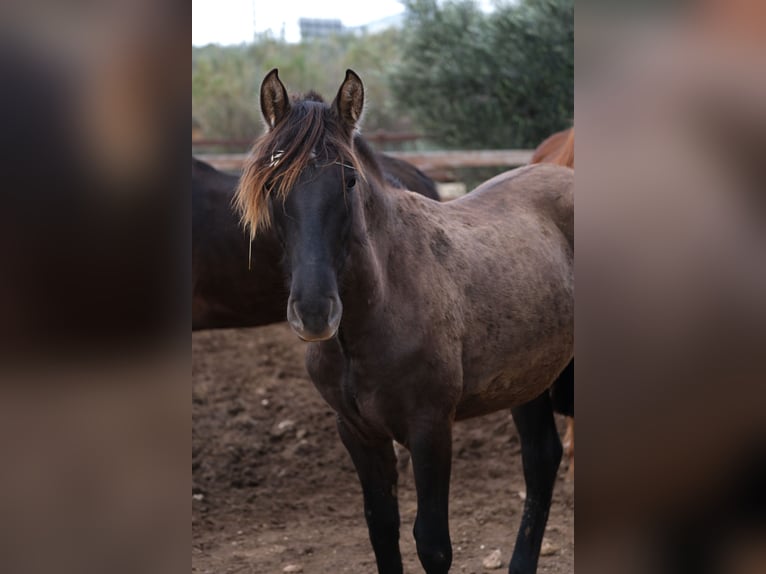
(272, 486)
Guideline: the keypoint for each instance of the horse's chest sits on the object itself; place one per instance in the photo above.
(365, 404)
(358, 392)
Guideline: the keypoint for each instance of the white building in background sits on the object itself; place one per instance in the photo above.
(395, 21)
(313, 28)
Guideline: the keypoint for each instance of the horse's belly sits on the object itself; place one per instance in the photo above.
(505, 365)
(510, 388)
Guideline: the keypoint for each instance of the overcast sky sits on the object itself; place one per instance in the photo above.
(233, 21)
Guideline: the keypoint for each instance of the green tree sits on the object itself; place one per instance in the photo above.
(498, 80)
(223, 88)
(226, 80)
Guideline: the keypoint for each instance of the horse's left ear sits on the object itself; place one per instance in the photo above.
(350, 100)
(275, 104)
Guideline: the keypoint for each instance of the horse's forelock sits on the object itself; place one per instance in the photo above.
(308, 133)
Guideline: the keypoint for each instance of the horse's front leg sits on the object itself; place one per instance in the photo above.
(375, 464)
(540, 455)
(431, 450)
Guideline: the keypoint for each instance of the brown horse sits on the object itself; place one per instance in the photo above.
(418, 313)
(236, 284)
(558, 149)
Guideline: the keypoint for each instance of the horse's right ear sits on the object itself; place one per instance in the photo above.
(275, 104)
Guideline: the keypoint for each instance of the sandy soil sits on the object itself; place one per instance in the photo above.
(272, 486)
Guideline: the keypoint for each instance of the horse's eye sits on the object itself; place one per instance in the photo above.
(350, 182)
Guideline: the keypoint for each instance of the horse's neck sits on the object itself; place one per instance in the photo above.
(366, 284)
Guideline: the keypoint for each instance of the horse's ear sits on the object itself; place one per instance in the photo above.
(350, 100)
(275, 103)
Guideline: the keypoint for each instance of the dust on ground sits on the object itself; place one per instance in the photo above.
(272, 486)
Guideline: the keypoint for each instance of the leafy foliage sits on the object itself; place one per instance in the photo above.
(498, 80)
(226, 80)
(464, 77)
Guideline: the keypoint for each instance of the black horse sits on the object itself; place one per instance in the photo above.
(226, 291)
(418, 313)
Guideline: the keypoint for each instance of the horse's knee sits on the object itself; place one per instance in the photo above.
(382, 522)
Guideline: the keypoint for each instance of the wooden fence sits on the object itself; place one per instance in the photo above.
(436, 164)
(376, 137)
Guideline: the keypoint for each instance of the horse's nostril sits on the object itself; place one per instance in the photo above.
(294, 316)
(336, 310)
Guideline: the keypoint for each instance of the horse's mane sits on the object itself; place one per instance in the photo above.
(557, 149)
(311, 132)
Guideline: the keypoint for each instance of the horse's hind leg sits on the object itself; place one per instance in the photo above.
(562, 391)
(431, 451)
(541, 455)
(375, 464)
(562, 396)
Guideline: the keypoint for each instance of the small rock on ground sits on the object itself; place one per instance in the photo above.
(548, 549)
(293, 568)
(493, 561)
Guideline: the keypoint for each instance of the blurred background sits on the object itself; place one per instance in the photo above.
(459, 75)
(94, 251)
(462, 90)
(670, 307)
(94, 303)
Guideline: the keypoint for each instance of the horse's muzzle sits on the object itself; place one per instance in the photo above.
(315, 320)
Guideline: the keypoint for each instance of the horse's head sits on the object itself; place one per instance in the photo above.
(301, 180)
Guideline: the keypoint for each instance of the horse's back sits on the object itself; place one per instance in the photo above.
(540, 190)
(212, 192)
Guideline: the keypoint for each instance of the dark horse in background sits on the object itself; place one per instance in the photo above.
(418, 313)
(225, 292)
